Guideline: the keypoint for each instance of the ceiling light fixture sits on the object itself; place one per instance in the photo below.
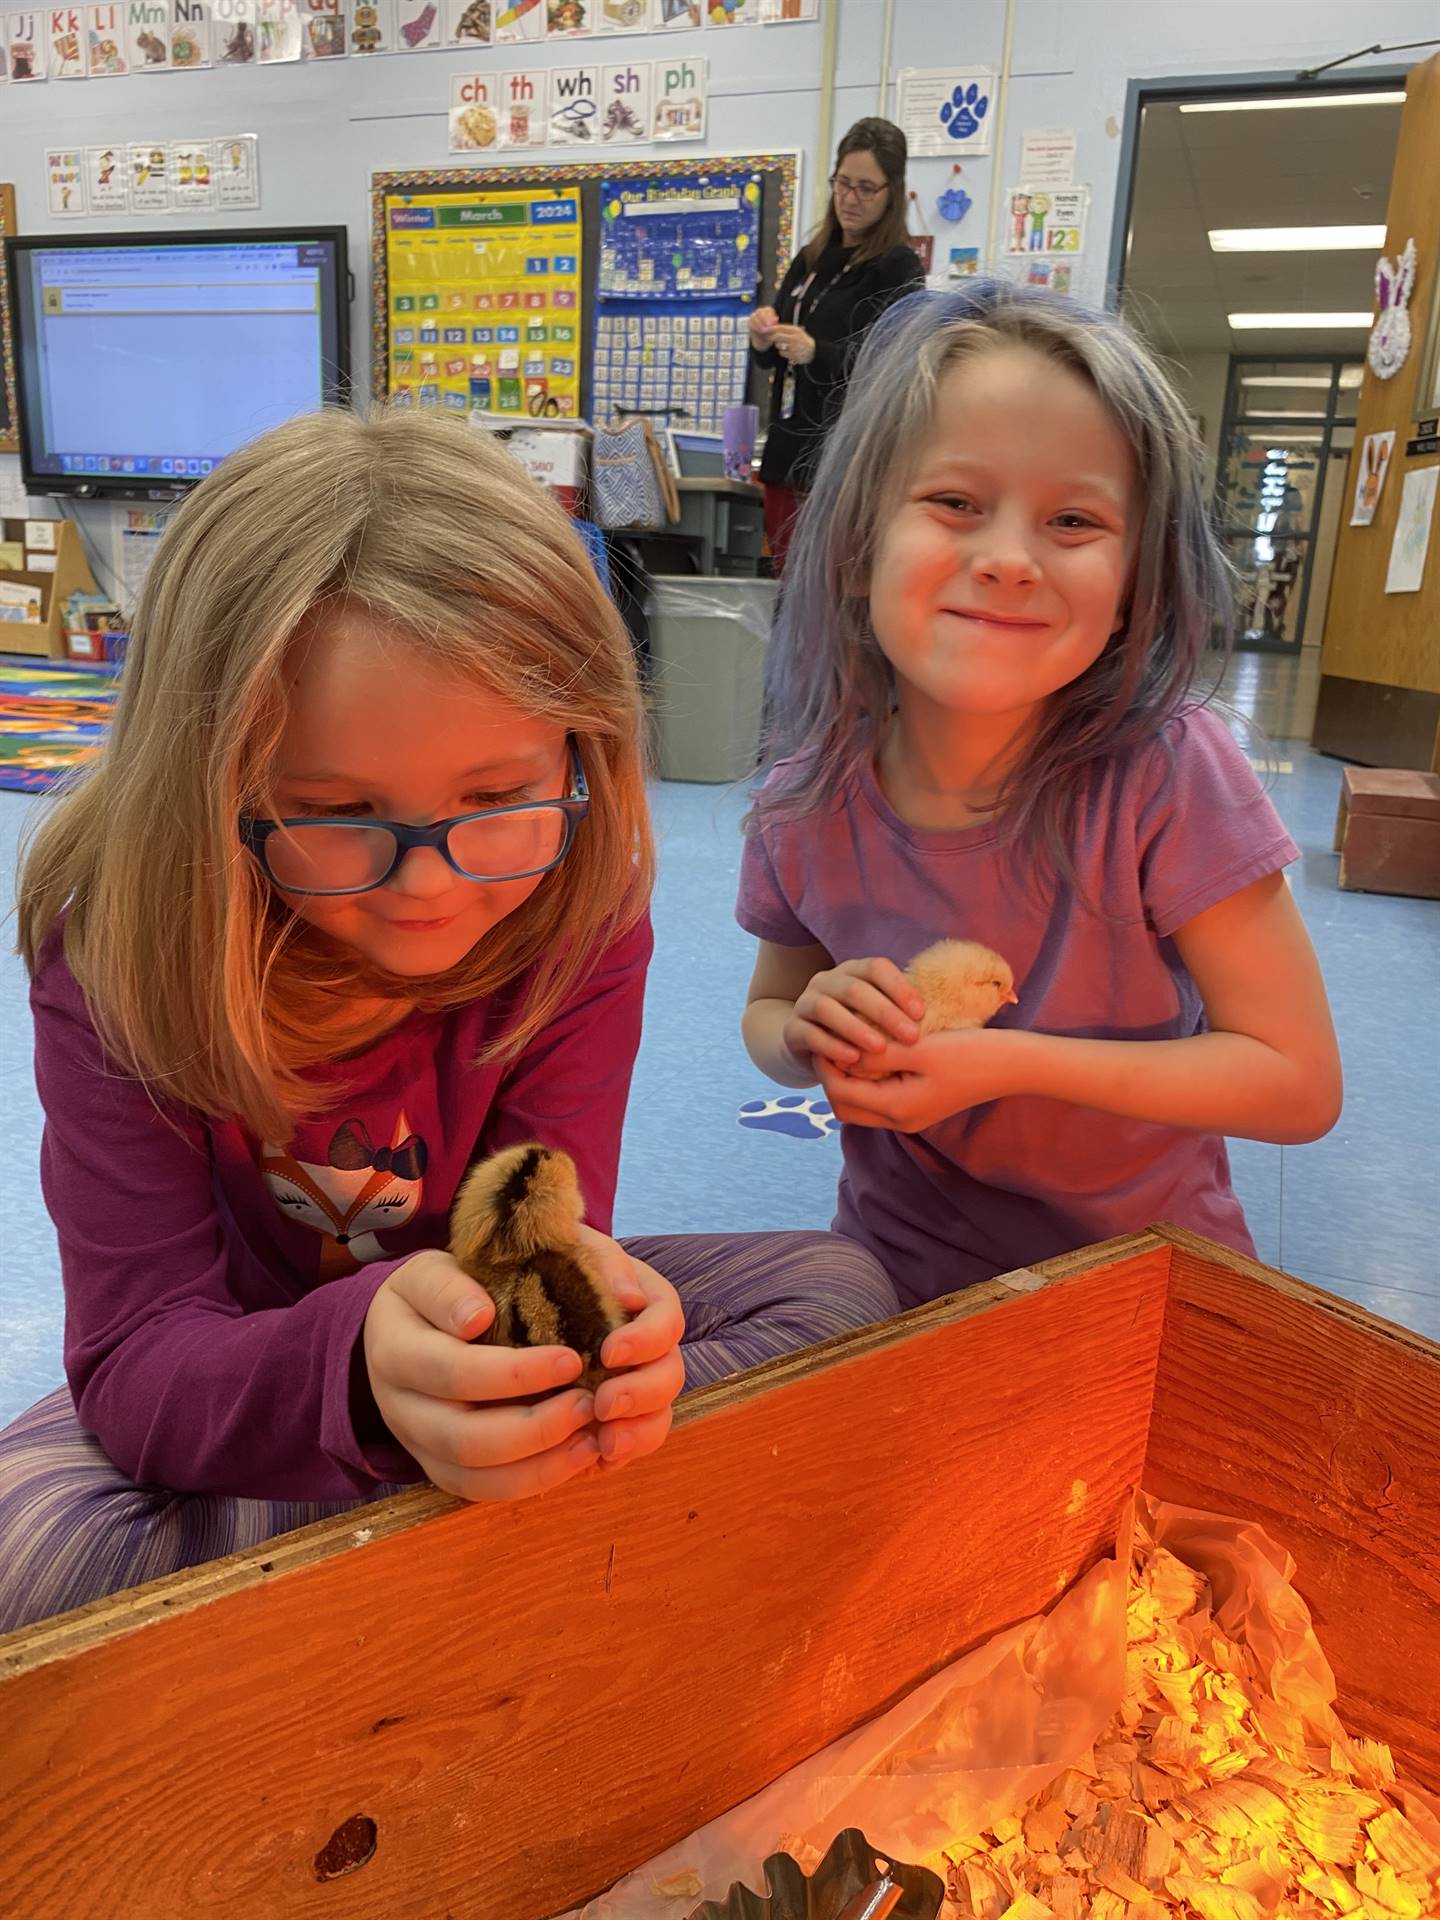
(1286, 413)
(1331, 321)
(1286, 380)
(1295, 100)
(1295, 239)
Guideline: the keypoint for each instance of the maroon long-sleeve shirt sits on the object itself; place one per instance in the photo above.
(216, 1285)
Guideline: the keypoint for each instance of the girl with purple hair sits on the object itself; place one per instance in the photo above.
(984, 724)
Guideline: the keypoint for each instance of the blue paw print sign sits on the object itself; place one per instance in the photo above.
(948, 110)
(796, 1115)
(962, 113)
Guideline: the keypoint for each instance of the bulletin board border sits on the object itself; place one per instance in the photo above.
(552, 174)
(10, 426)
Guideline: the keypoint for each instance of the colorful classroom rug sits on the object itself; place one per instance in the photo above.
(53, 715)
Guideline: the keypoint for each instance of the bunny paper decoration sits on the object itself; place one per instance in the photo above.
(1390, 336)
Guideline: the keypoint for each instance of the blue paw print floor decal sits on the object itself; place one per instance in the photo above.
(962, 113)
(795, 1114)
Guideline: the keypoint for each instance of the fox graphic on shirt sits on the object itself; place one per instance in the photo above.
(359, 1192)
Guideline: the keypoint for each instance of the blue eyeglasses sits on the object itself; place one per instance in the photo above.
(315, 855)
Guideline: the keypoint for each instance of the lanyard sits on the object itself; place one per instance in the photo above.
(808, 296)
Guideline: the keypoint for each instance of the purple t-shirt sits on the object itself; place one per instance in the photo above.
(216, 1285)
(1176, 826)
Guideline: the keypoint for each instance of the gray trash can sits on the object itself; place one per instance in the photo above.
(707, 649)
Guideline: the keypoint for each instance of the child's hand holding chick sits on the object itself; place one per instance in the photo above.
(906, 1073)
(490, 1421)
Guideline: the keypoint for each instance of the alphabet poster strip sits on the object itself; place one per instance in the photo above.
(574, 106)
(190, 34)
(469, 23)
(65, 39)
(625, 92)
(233, 34)
(105, 37)
(372, 26)
(679, 96)
(147, 35)
(25, 46)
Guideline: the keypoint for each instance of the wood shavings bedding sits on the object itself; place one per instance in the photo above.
(1205, 1800)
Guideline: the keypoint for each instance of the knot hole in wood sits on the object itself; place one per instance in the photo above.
(349, 1847)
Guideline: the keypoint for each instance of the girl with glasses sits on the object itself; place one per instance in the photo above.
(355, 895)
(853, 266)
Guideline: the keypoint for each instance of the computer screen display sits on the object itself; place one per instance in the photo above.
(142, 361)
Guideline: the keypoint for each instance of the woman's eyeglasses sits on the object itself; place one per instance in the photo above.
(862, 190)
(319, 856)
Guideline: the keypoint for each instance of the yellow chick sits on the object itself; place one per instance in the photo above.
(514, 1229)
(962, 984)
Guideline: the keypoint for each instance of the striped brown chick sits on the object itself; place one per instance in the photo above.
(514, 1229)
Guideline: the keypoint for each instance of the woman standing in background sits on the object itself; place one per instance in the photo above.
(853, 266)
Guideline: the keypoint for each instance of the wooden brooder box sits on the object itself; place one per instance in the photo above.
(496, 1712)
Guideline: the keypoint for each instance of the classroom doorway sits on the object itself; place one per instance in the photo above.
(1251, 213)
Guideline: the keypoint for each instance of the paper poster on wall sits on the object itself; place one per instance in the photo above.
(64, 184)
(523, 121)
(1047, 156)
(622, 16)
(685, 236)
(372, 26)
(574, 106)
(1055, 276)
(147, 35)
(322, 25)
(679, 99)
(418, 25)
(469, 23)
(190, 34)
(149, 176)
(1375, 453)
(946, 110)
(732, 13)
(237, 171)
(105, 42)
(192, 175)
(65, 38)
(24, 46)
(568, 19)
(106, 184)
(625, 91)
(484, 302)
(1046, 220)
(1412, 531)
(681, 14)
(280, 32)
(776, 13)
(234, 37)
(475, 111)
(519, 21)
(964, 263)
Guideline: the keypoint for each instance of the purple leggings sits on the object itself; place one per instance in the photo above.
(72, 1527)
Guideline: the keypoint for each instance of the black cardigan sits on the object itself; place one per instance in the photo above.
(836, 310)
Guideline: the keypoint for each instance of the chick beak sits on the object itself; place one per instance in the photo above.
(1011, 999)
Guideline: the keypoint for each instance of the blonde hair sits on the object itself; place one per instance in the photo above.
(199, 980)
